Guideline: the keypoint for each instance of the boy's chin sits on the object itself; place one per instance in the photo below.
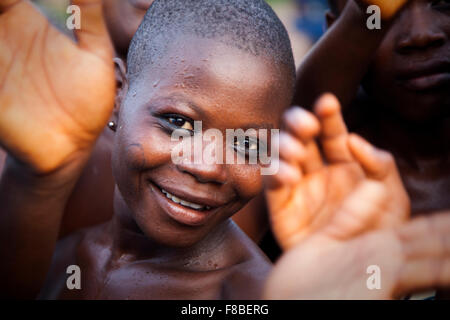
(416, 108)
(171, 234)
(424, 109)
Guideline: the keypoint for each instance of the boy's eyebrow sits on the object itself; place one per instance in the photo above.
(179, 98)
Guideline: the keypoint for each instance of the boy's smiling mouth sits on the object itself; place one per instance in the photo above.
(185, 203)
(185, 208)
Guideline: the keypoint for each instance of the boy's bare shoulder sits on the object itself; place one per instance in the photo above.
(71, 250)
(64, 256)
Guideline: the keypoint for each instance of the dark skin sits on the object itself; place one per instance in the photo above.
(90, 202)
(148, 230)
(405, 100)
(87, 206)
(35, 187)
(411, 68)
(403, 73)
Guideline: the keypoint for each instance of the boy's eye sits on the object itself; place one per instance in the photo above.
(180, 122)
(246, 145)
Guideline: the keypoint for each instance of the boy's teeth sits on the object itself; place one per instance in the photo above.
(184, 202)
(175, 199)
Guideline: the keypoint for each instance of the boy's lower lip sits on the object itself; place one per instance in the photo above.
(427, 82)
(179, 213)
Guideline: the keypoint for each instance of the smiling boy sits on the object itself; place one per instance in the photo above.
(226, 63)
(90, 202)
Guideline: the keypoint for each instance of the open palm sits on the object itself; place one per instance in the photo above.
(55, 94)
(351, 188)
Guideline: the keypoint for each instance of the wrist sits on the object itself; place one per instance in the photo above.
(63, 176)
(353, 22)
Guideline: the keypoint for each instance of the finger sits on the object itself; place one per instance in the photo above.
(426, 236)
(7, 4)
(93, 34)
(291, 149)
(426, 252)
(288, 217)
(424, 274)
(304, 125)
(313, 159)
(301, 123)
(376, 163)
(334, 132)
(278, 187)
(288, 175)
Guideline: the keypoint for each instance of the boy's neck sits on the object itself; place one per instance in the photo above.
(129, 243)
(421, 145)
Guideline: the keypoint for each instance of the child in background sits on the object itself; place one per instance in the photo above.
(342, 214)
(394, 84)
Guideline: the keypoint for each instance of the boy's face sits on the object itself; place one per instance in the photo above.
(123, 17)
(195, 80)
(411, 70)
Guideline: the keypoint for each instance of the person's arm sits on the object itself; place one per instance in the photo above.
(56, 96)
(340, 59)
(32, 207)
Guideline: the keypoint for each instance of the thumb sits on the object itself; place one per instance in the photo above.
(93, 34)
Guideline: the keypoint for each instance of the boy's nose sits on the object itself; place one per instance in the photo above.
(204, 172)
(419, 30)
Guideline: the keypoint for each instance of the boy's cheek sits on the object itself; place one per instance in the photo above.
(145, 148)
(247, 180)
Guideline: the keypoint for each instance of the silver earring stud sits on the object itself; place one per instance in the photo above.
(112, 125)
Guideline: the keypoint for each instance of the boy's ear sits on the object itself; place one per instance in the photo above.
(330, 17)
(121, 85)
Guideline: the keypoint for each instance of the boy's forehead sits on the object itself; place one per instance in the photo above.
(223, 73)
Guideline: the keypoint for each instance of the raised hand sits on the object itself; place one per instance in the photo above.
(347, 189)
(55, 94)
(411, 258)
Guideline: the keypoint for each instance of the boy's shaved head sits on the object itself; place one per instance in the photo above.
(249, 25)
